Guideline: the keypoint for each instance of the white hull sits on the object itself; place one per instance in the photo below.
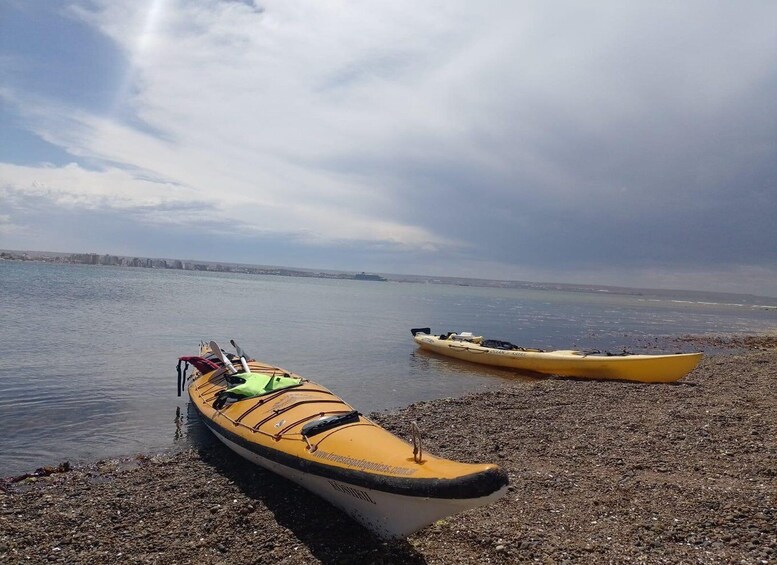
(385, 514)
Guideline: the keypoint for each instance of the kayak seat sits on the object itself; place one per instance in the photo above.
(498, 344)
(507, 346)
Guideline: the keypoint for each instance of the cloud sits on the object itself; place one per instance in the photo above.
(494, 138)
(72, 186)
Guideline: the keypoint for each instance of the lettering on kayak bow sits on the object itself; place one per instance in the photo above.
(363, 464)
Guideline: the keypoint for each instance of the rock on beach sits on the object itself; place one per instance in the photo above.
(600, 472)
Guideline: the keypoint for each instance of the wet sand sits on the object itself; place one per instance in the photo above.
(600, 472)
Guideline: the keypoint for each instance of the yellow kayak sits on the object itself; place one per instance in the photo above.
(566, 363)
(304, 432)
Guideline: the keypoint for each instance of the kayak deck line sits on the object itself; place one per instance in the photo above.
(459, 487)
(299, 421)
(217, 385)
(278, 411)
(273, 397)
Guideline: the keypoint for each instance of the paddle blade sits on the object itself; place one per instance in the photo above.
(238, 349)
(214, 347)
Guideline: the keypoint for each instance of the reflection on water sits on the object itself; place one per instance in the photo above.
(428, 361)
(194, 433)
(178, 424)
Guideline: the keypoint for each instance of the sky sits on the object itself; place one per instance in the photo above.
(604, 142)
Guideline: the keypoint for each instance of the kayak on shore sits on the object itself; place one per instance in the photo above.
(565, 363)
(304, 432)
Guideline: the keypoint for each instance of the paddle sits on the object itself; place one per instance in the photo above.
(214, 347)
(241, 354)
(245, 365)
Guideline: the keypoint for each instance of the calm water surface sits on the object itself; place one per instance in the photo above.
(87, 366)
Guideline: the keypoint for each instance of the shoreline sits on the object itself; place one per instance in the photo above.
(600, 472)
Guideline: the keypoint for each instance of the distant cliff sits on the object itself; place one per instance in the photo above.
(178, 264)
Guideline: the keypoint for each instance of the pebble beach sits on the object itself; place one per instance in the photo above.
(600, 472)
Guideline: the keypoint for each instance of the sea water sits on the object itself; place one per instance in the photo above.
(88, 353)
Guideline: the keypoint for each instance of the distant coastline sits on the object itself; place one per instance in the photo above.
(176, 264)
(224, 267)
